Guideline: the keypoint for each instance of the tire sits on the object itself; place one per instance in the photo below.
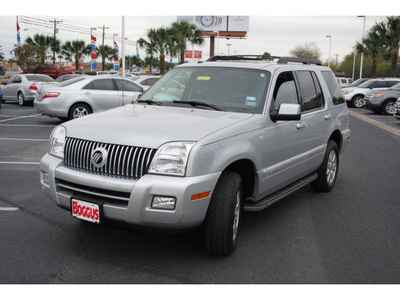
(21, 99)
(79, 110)
(223, 217)
(357, 101)
(328, 170)
(388, 107)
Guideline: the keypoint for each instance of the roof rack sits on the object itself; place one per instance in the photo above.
(281, 60)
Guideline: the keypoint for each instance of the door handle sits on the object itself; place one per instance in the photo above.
(88, 93)
(328, 117)
(300, 125)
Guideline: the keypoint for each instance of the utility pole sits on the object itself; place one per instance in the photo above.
(104, 30)
(54, 41)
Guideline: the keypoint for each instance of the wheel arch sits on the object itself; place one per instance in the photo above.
(337, 137)
(246, 169)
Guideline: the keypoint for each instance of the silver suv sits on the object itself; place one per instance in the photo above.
(205, 142)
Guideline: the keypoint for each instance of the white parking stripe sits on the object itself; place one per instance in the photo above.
(24, 140)
(9, 208)
(17, 118)
(19, 163)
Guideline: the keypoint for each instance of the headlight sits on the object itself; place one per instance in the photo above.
(57, 141)
(171, 159)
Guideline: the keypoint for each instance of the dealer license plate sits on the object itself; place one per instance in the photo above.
(85, 211)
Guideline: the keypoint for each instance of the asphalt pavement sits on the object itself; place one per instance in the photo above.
(347, 236)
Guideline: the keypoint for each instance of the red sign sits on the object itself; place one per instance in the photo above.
(189, 54)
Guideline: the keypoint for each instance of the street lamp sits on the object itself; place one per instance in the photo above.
(354, 61)
(362, 54)
(330, 44)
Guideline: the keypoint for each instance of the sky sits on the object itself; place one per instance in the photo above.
(272, 28)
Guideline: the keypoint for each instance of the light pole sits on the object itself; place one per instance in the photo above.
(354, 62)
(330, 44)
(362, 54)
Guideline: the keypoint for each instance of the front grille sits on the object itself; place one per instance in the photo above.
(122, 161)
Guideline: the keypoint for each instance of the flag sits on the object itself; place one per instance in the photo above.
(116, 60)
(137, 52)
(94, 55)
(18, 35)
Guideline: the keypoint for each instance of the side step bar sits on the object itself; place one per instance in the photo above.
(271, 199)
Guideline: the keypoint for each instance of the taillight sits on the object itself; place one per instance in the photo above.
(50, 95)
(33, 87)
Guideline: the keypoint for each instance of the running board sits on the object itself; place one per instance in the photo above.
(271, 199)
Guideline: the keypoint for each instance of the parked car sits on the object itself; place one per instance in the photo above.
(236, 135)
(396, 110)
(53, 71)
(1, 97)
(84, 95)
(355, 95)
(66, 77)
(358, 82)
(22, 88)
(147, 80)
(95, 72)
(382, 101)
(344, 81)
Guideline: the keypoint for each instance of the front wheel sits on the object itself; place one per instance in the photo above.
(358, 101)
(388, 107)
(328, 170)
(222, 221)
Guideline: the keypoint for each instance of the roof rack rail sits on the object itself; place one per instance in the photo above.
(235, 57)
(305, 61)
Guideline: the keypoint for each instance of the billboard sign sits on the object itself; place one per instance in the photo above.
(218, 23)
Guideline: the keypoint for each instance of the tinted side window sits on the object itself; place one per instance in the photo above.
(379, 84)
(391, 83)
(101, 84)
(310, 97)
(333, 87)
(285, 90)
(125, 85)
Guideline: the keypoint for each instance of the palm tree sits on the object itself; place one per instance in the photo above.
(390, 32)
(372, 46)
(185, 32)
(43, 43)
(160, 41)
(75, 50)
(106, 52)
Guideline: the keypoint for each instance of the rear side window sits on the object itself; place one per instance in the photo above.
(391, 83)
(333, 87)
(100, 84)
(310, 90)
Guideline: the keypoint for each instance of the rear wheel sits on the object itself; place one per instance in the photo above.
(79, 110)
(21, 99)
(328, 170)
(221, 225)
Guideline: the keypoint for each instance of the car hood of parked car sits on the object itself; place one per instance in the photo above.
(151, 126)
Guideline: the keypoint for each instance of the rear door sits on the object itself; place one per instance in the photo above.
(101, 94)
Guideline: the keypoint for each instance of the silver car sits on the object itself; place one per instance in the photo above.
(202, 144)
(84, 95)
(22, 88)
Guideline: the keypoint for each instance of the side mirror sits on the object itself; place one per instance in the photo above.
(286, 112)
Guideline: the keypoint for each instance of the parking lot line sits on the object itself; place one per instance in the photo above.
(9, 208)
(25, 140)
(376, 123)
(17, 118)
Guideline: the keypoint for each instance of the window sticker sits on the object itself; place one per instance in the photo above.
(251, 101)
(203, 78)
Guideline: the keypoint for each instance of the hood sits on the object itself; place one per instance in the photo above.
(151, 126)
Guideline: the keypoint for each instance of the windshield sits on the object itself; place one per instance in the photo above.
(367, 84)
(228, 89)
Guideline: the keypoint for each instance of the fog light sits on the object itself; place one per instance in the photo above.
(45, 177)
(163, 202)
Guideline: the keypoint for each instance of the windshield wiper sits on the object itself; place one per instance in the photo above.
(149, 102)
(198, 103)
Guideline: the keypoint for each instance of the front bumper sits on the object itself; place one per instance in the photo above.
(129, 201)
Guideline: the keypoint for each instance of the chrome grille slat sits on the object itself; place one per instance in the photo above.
(122, 161)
